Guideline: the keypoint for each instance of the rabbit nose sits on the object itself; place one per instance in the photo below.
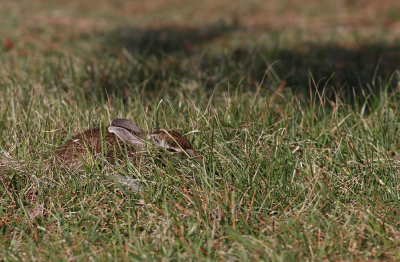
(194, 154)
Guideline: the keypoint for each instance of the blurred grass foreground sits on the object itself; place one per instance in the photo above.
(294, 106)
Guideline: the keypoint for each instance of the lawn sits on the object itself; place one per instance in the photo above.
(293, 105)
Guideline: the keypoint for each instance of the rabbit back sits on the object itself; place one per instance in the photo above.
(93, 142)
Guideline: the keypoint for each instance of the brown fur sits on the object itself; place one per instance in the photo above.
(178, 142)
(175, 139)
(92, 142)
(95, 142)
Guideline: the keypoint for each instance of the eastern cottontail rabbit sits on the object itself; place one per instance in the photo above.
(121, 131)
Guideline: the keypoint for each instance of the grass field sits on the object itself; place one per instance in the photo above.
(294, 106)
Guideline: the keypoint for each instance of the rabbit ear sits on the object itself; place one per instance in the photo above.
(125, 135)
(124, 123)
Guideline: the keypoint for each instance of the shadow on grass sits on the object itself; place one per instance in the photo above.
(163, 40)
(170, 56)
(349, 66)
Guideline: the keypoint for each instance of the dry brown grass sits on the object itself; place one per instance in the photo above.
(49, 23)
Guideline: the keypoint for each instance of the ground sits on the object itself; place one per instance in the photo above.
(293, 105)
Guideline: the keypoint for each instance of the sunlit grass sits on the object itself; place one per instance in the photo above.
(300, 146)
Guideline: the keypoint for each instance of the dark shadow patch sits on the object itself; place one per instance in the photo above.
(166, 39)
(350, 66)
(165, 57)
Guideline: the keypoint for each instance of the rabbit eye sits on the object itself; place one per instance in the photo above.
(170, 149)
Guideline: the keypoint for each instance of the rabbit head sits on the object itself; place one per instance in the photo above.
(174, 142)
